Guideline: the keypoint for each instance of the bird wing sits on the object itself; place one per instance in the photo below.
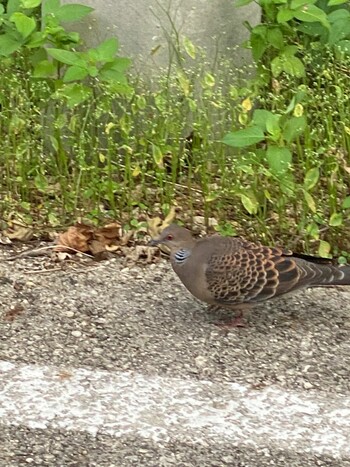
(244, 272)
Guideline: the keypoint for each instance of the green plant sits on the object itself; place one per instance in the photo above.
(292, 27)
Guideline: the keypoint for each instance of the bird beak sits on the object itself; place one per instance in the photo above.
(154, 242)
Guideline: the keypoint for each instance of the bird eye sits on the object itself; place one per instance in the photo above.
(169, 237)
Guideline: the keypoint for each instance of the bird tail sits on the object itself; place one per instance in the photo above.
(330, 274)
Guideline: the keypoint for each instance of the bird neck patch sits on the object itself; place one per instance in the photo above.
(181, 255)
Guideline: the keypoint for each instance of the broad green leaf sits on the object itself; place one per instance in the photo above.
(293, 128)
(8, 45)
(277, 66)
(75, 73)
(41, 182)
(336, 220)
(75, 93)
(12, 6)
(72, 12)
(250, 203)
(313, 230)
(259, 118)
(49, 7)
(189, 48)
(338, 15)
(24, 25)
(244, 138)
(339, 30)
(294, 66)
(67, 57)
(289, 50)
(311, 178)
(346, 203)
(30, 3)
(258, 46)
(284, 15)
(324, 249)
(279, 159)
(310, 201)
(107, 50)
(44, 69)
(337, 2)
(275, 38)
(294, 4)
(311, 14)
(272, 125)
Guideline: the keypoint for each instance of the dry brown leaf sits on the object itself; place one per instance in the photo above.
(19, 232)
(157, 225)
(109, 233)
(77, 237)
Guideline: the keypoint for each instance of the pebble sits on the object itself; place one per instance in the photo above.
(76, 333)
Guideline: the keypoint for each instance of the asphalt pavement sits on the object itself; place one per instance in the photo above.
(115, 364)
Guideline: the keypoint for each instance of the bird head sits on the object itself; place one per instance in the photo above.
(174, 237)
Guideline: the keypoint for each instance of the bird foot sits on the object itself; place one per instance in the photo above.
(236, 322)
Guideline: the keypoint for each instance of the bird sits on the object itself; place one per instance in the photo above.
(235, 273)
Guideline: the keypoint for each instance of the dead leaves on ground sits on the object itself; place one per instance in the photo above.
(97, 242)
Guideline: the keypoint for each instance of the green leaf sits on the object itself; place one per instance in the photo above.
(244, 138)
(72, 12)
(284, 15)
(311, 14)
(346, 203)
(293, 128)
(272, 125)
(310, 201)
(311, 178)
(67, 57)
(189, 48)
(336, 2)
(24, 25)
(40, 182)
(75, 73)
(337, 15)
(157, 155)
(107, 50)
(294, 67)
(8, 45)
(279, 159)
(30, 3)
(44, 69)
(74, 93)
(49, 7)
(12, 6)
(259, 118)
(277, 66)
(324, 249)
(340, 29)
(294, 4)
(275, 38)
(250, 203)
(258, 45)
(336, 220)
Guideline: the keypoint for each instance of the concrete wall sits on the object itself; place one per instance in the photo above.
(144, 28)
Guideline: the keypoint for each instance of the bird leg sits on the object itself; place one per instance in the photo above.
(236, 321)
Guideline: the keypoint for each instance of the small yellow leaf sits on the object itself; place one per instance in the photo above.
(102, 158)
(247, 105)
(136, 171)
(109, 127)
(298, 110)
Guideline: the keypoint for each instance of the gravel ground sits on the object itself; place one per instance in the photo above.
(116, 317)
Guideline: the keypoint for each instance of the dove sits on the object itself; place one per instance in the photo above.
(235, 273)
